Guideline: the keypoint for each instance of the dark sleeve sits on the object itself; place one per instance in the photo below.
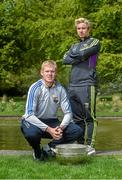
(78, 52)
(90, 49)
(72, 56)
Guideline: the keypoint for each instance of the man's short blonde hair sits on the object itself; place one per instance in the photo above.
(83, 20)
(48, 63)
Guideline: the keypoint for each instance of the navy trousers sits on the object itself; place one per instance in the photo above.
(83, 102)
(33, 134)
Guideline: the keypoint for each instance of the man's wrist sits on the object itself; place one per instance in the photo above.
(61, 127)
(47, 129)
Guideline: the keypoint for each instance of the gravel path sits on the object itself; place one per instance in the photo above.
(23, 152)
(116, 152)
(15, 152)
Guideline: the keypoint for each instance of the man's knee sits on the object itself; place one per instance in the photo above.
(75, 130)
(30, 131)
(79, 131)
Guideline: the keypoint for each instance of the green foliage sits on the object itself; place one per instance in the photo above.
(110, 66)
(110, 72)
(108, 25)
(12, 107)
(110, 105)
(33, 31)
(106, 105)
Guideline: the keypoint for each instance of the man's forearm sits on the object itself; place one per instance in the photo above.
(35, 121)
(66, 120)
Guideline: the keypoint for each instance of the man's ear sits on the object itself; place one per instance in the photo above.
(41, 72)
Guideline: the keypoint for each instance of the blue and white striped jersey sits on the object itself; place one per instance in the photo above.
(43, 102)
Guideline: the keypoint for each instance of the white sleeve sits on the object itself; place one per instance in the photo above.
(35, 121)
(66, 108)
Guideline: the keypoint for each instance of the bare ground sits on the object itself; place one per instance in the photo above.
(28, 152)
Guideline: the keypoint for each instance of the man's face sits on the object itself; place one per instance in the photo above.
(82, 30)
(49, 74)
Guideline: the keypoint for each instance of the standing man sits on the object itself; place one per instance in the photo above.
(40, 119)
(82, 88)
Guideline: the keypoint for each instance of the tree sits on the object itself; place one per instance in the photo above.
(33, 31)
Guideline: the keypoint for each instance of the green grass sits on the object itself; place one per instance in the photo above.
(24, 167)
(12, 108)
(104, 108)
(108, 113)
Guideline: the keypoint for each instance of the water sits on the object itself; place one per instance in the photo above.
(11, 137)
(108, 135)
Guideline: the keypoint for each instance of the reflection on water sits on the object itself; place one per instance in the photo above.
(108, 135)
(11, 137)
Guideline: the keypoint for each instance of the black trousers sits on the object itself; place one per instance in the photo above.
(33, 134)
(83, 102)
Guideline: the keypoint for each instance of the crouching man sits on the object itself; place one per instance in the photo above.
(40, 119)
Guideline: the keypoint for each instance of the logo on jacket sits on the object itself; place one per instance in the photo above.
(55, 98)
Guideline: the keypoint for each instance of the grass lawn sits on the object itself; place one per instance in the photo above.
(24, 167)
(104, 108)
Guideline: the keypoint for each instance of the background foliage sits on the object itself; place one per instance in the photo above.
(35, 30)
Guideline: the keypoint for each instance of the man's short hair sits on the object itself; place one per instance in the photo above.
(83, 20)
(49, 63)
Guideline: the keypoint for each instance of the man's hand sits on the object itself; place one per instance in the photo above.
(56, 133)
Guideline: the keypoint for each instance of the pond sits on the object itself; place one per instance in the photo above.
(108, 135)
